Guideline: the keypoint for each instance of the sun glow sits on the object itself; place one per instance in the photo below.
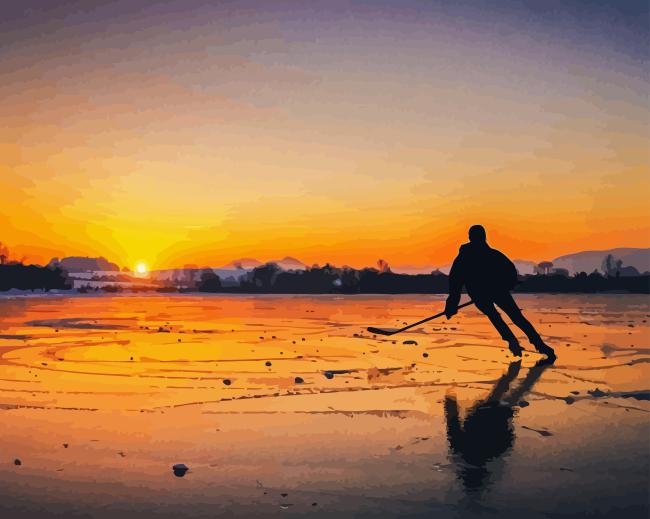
(141, 268)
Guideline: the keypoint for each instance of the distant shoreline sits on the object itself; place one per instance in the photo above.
(271, 279)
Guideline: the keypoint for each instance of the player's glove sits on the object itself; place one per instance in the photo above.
(451, 308)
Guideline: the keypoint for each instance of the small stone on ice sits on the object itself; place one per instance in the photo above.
(180, 469)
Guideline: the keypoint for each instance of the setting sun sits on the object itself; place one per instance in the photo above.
(141, 268)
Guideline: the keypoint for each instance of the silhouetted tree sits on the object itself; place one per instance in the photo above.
(383, 266)
(210, 282)
(263, 277)
(544, 268)
(32, 277)
(609, 265)
(190, 275)
(4, 253)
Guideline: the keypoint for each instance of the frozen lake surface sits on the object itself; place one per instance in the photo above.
(285, 405)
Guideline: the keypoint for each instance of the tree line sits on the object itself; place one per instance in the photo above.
(270, 278)
(32, 277)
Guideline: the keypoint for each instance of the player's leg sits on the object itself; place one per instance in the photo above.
(509, 306)
(487, 307)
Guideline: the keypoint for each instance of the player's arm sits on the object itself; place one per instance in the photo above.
(456, 281)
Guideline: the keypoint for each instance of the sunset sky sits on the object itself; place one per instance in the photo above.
(196, 132)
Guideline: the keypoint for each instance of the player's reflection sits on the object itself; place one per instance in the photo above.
(487, 431)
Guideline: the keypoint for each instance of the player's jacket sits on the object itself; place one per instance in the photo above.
(483, 270)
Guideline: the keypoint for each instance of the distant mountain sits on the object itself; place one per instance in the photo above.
(587, 261)
(83, 264)
(286, 263)
(289, 263)
(244, 263)
(524, 267)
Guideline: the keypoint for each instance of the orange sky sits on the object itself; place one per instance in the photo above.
(199, 137)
